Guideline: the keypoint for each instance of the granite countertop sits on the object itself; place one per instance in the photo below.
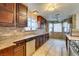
(9, 41)
(72, 37)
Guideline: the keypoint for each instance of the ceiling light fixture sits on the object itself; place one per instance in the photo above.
(51, 7)
(35, 12)
(57, 17)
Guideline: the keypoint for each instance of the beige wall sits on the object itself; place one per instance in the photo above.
(77, 21)
(57, 35)
(74, 21)
(30, 14)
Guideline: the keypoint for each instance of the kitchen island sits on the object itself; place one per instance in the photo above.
(71, 45)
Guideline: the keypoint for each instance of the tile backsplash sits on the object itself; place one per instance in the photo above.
(9, 30)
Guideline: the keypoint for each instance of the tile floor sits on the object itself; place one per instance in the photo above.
(53, 47)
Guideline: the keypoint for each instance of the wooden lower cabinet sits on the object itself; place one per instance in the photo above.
(19, 50)
(7, 51)
(47, 37)
(44, 39)
(40, 40)
(37, 43)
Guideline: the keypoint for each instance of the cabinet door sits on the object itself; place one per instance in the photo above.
(21, 15)
(47, 36)
(7, 51)
(22, 21)
(37, 43)
(22, 9)
(44, 39)
(9, 6)
(41, 40)
(6, 17)
(19, 50)
(6, 14)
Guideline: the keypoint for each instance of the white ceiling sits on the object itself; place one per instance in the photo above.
(64, 9)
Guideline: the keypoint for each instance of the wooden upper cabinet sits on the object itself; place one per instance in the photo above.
(7, 14)
(22, 9)
(13, 14)
(41, 21)
(7, 6)
(6, 17)
(21, 15)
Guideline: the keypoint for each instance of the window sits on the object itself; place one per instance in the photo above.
(58, 27)
(66, 27)
(50, 27)
(29, 23)
(32, 23)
